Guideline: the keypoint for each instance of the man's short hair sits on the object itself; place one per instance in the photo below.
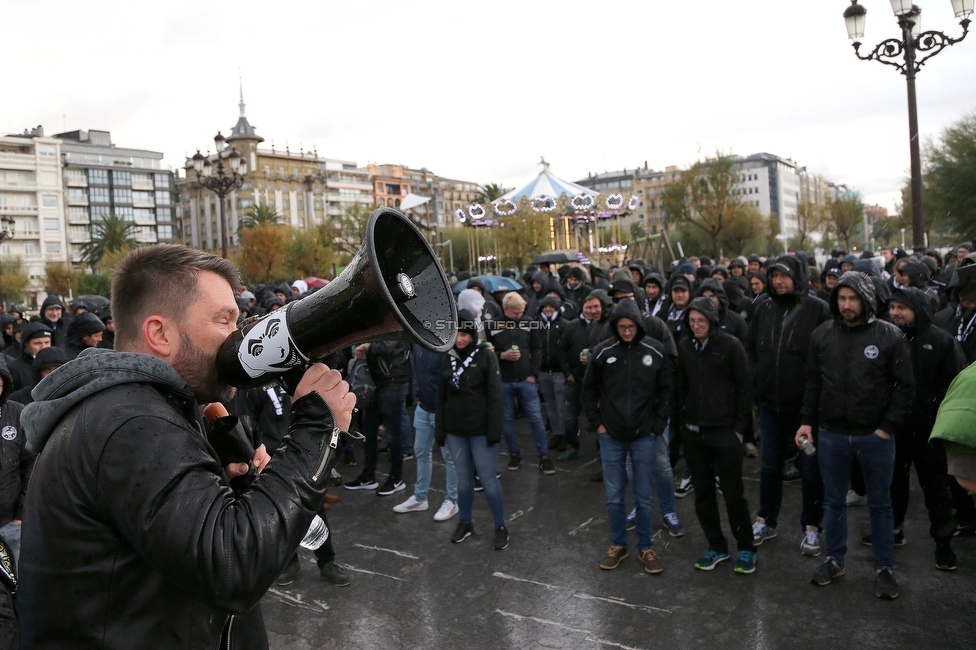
(162, 280)
(513, 300)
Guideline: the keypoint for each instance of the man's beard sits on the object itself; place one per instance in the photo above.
(200, 372)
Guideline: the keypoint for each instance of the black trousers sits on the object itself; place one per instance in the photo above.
(912, 447)
(710, 453)
(573, 395)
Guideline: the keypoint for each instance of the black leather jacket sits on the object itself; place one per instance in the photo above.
(132, 537)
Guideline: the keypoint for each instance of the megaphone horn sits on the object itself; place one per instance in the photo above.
(393, 289)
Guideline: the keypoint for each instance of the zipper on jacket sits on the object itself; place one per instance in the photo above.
(323, 459)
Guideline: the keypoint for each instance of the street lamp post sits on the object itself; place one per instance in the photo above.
(220, 179)
(914, 48)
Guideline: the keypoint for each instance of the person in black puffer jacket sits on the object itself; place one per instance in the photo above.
(84, 332)
(626, 397)
(469, 408)
(777, 345)
(730, 321)
(552, 376)
(15, 470)
(713, 400)
(859, 391)
(936, 360)
(576, 288)
(45, 362)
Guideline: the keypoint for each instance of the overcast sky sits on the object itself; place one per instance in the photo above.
(479, 90)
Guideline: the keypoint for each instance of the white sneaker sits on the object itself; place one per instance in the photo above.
(411, 505)
(447, 510)
(854, 499)
(812, 544)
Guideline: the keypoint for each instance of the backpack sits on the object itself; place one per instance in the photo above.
(361, 383)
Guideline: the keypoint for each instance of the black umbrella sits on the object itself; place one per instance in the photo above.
(554, 257)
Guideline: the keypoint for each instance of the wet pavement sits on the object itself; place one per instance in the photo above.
(412, 588)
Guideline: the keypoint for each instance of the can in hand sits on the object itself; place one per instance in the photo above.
(515, 348)
(807, 446)
(586, 354)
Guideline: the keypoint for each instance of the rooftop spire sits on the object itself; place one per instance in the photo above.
(241, 105)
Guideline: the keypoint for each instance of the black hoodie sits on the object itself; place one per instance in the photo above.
(15, 461)
(627, 387)
(730, 322)
(936, 358)
(712, 383)
(860, 378)
(779, 338)
(581, 335)
(582, 290)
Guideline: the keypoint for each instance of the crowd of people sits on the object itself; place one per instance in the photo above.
(842, 374)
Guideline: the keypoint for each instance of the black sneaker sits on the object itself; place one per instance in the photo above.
(546, 465)
(478, 487)
(514, 461)
(501, 538)
(360, 483)
(945, 559)
(462, 532)
(684, 487)
(409, 456)
(885, 586)
(288, 575)
(390, 487)
(333, 573)
(965, 530)
(349, 458)
(899, 539)
(826, 572)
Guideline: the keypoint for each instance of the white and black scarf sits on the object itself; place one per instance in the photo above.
(458, 367)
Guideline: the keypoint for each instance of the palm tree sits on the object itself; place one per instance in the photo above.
(490, 192)
(260, 214)
(111, 234)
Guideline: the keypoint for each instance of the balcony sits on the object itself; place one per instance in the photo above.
(26, 160)
(19, 185)
(18, 210)
(79, 219)
(142, 185)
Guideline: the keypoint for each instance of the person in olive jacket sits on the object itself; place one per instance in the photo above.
(469, 422)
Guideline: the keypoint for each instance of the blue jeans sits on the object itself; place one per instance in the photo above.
(663, 475)
(876, 457)
(388, 408)
(423, 447)
(777, 432)
(613, 455)
(471, 454)
(552, 385)
(528, 394)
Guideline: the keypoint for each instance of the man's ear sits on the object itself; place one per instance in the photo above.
(160, 335)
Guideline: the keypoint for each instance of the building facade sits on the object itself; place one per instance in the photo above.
(303, 188)
(645, 183)
(772, 185)
(32, 205)
(101, 178)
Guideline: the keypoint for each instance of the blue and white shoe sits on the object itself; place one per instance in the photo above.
(746, 563)
(674, 526)
(711, 560)
(761, 532)
(632, 519)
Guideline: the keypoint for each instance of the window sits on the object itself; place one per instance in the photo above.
(96, 194)
(99, 212)
(52, 247)
(142, 198)
(75, 176)
(28, 249)
(77, 194)
(286, 203)
(392, 188)
(122, 195)
(281, 172)
(28, 201)
(162, 181)
(27, 225)
(47, 151)
(165, 232)
(143, 214)
(318, 204)
(5, 249)
(245, 203)
(51, 224)
(49, 178)
(164, 214)
(142, 181)
(267, 171)
(124, 211)
(295, 173)
(123, 179)
(162, 198)
(98, 177)
(77, 214)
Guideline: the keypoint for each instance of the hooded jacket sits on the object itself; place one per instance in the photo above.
(860, 378)
(389, 363)
(712, 388)
(553, 356)
(582, 335)
(779, 338)
(474, 407)
(582, 290)
(15, 461)
(657, 306)
(21, 368)
(936, 358)
(730, 322)
(627, 386)
(58, 327)
(84, 324)
(524, 333)
(46, 358)
(132, 537)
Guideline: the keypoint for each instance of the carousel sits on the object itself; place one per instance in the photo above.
(582, 224)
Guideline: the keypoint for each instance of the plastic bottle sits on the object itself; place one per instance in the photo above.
(317, 533)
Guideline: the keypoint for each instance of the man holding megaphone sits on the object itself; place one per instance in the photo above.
(129, 505)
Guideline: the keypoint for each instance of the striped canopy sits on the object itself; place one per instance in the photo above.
(545, 184)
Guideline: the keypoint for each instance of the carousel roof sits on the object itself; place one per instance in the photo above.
(547, 184)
